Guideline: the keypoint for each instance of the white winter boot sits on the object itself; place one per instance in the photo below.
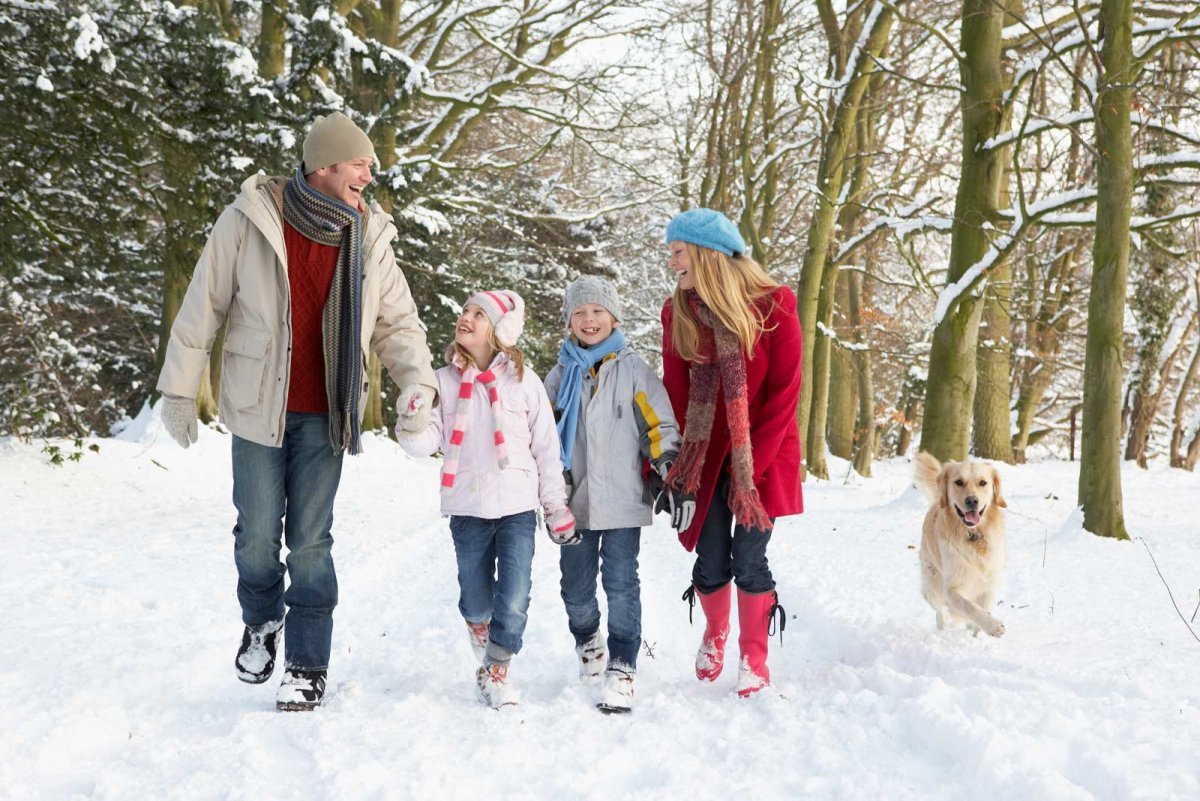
(592, 656)
(492, 687)
(617, 695)
(478, 632)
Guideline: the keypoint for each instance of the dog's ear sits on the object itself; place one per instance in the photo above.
(999, 496)
(943, 483)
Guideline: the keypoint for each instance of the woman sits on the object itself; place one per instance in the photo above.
(731, 365)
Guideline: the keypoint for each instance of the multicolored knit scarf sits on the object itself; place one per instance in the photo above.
(462, 415)
(575, 359)
(330, 222)
(723, 365)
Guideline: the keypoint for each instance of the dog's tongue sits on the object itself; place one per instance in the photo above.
(971, 518)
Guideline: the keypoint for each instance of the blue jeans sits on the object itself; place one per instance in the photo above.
(614, 553)
(288, 491)
(495, 564)
(727, 551)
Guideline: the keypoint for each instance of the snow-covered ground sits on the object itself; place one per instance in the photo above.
(121, 625)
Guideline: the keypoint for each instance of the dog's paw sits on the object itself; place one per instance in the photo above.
(995, 628)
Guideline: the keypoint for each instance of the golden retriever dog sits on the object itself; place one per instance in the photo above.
(963, 548)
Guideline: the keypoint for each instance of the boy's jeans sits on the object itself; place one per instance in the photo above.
(614, 553)
(288, 490)
(495, 563)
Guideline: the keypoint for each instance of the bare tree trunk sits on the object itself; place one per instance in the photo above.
(1043, 338)
(914, 395)
(271, 38)
(951, 391)
(1049, 309)
(830, 175)
(992, 437)
(840, 427)
(1193, 454)
(1153, 304)
(864, 432)
(822, 354)
(1177, 428)
(1100, 445)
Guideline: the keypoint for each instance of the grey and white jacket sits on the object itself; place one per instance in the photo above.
(624, 416)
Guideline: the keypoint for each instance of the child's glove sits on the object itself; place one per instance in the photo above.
(560, 525)
(679, 504)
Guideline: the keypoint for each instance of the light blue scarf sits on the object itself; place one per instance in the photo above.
(575, 360)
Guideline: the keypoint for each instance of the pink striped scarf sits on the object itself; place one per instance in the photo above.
(462, 414)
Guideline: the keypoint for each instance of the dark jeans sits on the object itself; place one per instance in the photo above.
(495, 565)
(726, 552)
(614, 554)
(288, 491)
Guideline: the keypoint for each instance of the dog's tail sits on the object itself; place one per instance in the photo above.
(925, 475)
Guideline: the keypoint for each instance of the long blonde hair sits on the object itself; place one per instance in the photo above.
(730, 286)
(460, 355)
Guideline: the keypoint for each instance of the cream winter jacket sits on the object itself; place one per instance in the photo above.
(241, 279)
(481, 488)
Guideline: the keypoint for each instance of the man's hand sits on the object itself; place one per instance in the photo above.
(178, 417)
(413, 406)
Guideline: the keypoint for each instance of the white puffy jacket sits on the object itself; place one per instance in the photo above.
(533, 477)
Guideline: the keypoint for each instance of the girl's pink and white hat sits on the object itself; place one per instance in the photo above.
(506, 311)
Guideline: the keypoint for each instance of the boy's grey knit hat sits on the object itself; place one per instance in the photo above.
(591, 289)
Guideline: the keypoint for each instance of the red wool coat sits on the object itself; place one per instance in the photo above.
(773, 389)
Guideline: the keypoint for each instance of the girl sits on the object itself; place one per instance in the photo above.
(496, 430)
(613, 412)
(731, 365)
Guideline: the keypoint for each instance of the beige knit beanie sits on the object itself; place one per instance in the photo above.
(334, 139)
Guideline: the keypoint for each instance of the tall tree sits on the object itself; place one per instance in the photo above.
(855, 46)
(952, 368)
(1100, 443)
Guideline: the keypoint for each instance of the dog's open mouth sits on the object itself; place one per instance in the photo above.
(970, 519)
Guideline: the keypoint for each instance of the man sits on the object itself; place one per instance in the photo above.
(305, 277)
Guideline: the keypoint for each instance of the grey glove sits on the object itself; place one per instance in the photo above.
(178, 417)
(414, 405)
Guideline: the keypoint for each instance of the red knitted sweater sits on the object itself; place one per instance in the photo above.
(310, 274)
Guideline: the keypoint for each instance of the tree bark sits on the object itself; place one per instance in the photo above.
(1178, 431)
(1100, 445)
(1044, 338)
(840, 427)
(950, 393)
(271, 38)
(830, 174)
(992, 437)
(864, 431)
(1153, 304)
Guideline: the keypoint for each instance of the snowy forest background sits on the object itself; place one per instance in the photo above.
(928, 176)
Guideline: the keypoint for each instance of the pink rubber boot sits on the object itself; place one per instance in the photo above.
(711, 656)
(754, 622)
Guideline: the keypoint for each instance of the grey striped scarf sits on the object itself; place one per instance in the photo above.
(331, 222)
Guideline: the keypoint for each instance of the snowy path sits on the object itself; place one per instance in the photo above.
(117, 681)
